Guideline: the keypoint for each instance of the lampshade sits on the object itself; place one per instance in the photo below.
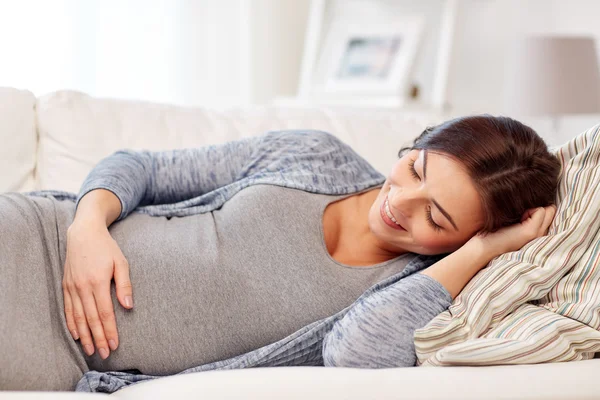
(550, 75)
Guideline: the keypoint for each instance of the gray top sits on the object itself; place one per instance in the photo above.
(375, 331)
(215, 285)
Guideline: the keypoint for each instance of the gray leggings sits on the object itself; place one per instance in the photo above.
(37, 351)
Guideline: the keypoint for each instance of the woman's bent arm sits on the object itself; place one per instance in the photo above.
(140, 178)
(456, 270)
(378, 332)
(99, 206)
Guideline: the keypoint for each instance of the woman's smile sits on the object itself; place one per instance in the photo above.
(387, 216)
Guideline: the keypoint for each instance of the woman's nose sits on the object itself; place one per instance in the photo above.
(403, 202)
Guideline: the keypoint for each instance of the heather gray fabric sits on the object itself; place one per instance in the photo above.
(212, 286)
(207, 287)
(36, 350)
(185, 182)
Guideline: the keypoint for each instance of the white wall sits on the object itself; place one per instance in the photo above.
(236, 52)
(486, 29)
(485, 32)
(212, 52)
(125, 48)
(185, 52)
(30, 40)
(278, 30)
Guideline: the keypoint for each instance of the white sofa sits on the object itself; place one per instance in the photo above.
(53, 141)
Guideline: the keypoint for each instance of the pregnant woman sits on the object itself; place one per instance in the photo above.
(235, 246)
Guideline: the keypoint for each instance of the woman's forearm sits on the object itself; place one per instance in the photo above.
(378, 331)
(144, 178)
(456, 269)
(98, 206)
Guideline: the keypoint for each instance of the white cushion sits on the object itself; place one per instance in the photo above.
(573, 380)
(18, 140)
(77, 130)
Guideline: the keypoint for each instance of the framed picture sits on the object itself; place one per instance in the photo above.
(370, 59)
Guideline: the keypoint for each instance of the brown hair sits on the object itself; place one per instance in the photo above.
(508, 161)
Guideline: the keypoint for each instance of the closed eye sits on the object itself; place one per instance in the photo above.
(430, 220)
(413, 171)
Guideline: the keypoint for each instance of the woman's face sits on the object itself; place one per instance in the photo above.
(433, 199)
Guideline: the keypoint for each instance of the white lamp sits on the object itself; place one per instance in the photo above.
(552, 75)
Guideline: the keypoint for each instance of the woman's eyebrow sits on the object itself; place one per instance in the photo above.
(444, 212)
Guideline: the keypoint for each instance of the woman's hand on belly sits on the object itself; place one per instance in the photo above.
(93, 257)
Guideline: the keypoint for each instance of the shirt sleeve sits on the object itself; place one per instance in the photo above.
(377, 332)
(141, 178)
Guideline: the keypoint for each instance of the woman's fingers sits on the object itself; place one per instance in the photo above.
(527, 214)
(123, 283)
(97, 322)
(531, 223)
(85, 336)
(93, 318)
(88, 306)
(534, 224)
(548, 218)
(69, 314)
(108, 323)
(539, 220)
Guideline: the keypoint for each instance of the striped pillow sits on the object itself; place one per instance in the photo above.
(538, 304)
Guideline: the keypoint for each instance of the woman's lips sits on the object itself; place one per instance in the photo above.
(387, 219)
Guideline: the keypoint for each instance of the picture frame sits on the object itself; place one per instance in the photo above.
(372, 59)
(316, 56)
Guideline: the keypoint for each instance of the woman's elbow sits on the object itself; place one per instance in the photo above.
(349, 351)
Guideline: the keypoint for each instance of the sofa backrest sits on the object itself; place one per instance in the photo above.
(77, 130)
(54, 141)
(18, 140)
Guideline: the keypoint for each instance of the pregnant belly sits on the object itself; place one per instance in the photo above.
(189, 308)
